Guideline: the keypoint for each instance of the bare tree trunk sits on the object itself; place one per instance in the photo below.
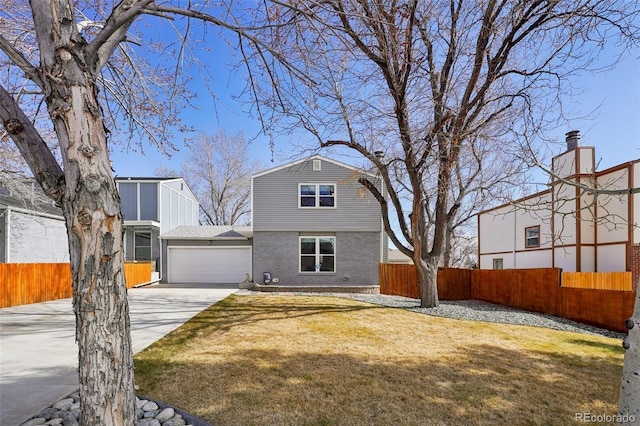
(94, 222)
(91, 206)
(448, 246)
(428, 279)
(629, 403)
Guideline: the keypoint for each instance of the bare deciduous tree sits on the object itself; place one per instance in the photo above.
(92, 73)
(218, 170)
(422, 80)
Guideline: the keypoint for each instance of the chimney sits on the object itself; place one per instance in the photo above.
(573, 139)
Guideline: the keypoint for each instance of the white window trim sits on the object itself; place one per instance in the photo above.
(317, 195)
(317, 254)
(526, 237)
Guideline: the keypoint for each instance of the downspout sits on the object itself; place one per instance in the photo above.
(7, 240)
(515, 229)
(161, 262)
(160, 231)
(7, 246)
(383, 233)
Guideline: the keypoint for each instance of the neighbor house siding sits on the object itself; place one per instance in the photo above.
(35, 239)
(275, 200)
(356, 258)
(179, 207)
(168, 202)
(577, 232)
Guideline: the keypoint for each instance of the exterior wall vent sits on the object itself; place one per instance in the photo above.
(317, 165)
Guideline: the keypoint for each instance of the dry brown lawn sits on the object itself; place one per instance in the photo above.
(293, 360)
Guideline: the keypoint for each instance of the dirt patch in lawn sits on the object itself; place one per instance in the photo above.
(293, 360)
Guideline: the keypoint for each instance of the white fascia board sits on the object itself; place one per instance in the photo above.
(35, 213)
(205, 238)
(313, 157)
(152, 223)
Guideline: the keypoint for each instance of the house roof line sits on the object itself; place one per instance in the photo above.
(196, 232)
(146, 178)
(28, 205)
(32, 212)
(597, 174)
(205, 238)
(312, 157)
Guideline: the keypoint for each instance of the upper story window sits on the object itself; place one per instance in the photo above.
(148, 201)
(532, 236)
(139, 200)
(311, 195)
(129, 200)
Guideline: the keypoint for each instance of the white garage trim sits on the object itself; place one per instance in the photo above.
(228, 264)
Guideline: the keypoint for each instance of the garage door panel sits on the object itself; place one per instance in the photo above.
(208, 264)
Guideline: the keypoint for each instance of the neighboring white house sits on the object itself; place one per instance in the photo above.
(31, 231)
(150, 207)
(35, 232)
(564, 227)
(396, 256)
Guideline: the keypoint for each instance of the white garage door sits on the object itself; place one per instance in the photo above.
(208, 264)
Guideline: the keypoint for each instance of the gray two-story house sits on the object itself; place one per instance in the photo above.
(315, 224)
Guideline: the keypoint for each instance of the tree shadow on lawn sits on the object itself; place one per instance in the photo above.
(228, 313)
(478, 384)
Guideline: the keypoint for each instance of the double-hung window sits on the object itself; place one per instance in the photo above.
(532, 236)
(312, 195)
(317, 254)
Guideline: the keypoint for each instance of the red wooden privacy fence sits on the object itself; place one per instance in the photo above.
(24, 283)
(537, 290)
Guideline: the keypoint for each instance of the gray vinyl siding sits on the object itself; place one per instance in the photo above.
(357, 258)
(275, 201)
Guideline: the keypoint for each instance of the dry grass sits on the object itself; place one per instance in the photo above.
(291, 360)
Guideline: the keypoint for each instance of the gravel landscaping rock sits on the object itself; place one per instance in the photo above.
(475, 310)
(66, 412)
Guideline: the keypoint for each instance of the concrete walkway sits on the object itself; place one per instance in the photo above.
(39, 356)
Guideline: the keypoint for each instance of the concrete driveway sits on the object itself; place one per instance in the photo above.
(39, 356)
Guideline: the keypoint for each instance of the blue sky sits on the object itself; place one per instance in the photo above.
(610, 99)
